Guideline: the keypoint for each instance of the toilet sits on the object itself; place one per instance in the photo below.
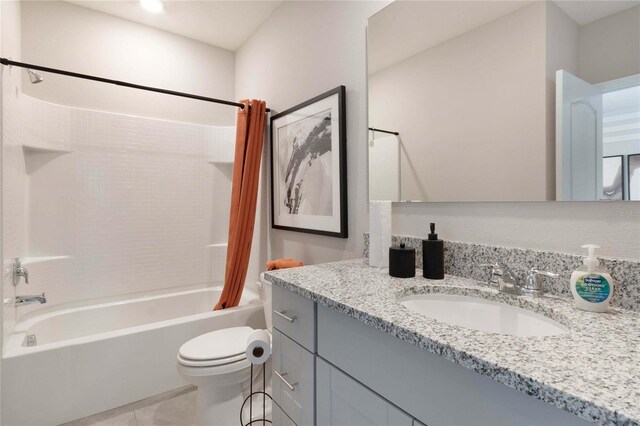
(216, 363)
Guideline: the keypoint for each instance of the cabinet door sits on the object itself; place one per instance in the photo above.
(279, 418)
(293, 379)
(341, 401)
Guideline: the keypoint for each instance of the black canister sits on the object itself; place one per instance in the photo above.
(402, 262)
(433, 256)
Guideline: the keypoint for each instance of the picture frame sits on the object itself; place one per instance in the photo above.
(633, 175)
(613, 178)
(309, 166)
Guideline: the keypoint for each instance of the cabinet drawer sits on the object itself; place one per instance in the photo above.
(293, 379)
(342, 401)
(279, 418)
(295, 317)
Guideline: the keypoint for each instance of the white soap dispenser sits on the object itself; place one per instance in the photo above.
(591, 286)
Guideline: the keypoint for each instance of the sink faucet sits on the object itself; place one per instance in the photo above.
(19, 271)
(27, 300)
(505, 280)
(533, 285)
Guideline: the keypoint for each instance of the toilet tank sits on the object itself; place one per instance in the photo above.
(266, 299)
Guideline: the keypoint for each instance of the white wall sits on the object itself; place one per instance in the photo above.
(445, 100)
(66, 36)
(9, 91)
(13, 176)
(302, 50)
(561, 54)
(609, 48)
(311, 47)
(117, 204)
(100, 204)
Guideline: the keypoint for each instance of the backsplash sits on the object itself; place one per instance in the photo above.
(462, 260)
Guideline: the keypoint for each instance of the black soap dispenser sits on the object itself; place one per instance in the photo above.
(433, 256)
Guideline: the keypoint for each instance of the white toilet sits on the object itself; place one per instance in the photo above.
(216, 363)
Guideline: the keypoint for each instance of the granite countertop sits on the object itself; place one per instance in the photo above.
(592, 371)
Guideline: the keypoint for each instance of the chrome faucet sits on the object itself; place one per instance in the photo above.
(19, 271)
(27, 300)
(533, 285)
(503, 278)
(506, 282)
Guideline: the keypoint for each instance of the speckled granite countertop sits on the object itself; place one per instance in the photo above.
(592, 371)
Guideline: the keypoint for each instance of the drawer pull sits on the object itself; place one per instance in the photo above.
(280, 375)
(282, 315)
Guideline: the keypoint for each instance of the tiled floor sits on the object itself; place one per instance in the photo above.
(173, 408)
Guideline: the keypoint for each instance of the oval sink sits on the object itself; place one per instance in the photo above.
(482, 314)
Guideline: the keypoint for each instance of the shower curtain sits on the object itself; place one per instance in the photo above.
(244, 194)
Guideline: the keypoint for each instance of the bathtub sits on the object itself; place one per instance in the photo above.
(97, 356)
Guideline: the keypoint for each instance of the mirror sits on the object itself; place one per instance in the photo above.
(504, 101)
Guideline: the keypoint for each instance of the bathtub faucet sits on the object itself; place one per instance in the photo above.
(27, 300)
(19, 271)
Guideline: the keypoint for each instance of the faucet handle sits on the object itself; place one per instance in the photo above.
(534, 283)
(19, 271)
(534, 272)
(497, 270)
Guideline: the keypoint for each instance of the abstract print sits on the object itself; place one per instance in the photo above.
(305, 163)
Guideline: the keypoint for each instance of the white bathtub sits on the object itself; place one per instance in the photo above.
(103, 355)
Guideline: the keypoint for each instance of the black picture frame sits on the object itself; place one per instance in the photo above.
(622, 175)
(336, 224)
(632, 188)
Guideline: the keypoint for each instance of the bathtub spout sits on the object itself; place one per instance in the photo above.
(27, 300)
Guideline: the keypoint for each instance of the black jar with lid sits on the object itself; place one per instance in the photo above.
(402, 261)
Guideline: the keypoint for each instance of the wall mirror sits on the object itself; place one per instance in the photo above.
(504, 101)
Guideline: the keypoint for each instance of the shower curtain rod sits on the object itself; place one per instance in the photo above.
(384, 131)
(5, 61)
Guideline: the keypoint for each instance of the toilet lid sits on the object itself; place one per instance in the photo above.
(228, 345)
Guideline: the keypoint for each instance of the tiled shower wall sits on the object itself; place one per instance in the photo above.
(103, 204)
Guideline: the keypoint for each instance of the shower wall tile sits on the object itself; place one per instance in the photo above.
(222, 145)
(13, 197)
(117, 204)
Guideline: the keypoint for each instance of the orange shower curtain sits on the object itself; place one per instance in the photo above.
(244, 194)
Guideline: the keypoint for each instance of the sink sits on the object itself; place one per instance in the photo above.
(483, 315)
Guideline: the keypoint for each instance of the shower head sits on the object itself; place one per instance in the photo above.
(34, 77)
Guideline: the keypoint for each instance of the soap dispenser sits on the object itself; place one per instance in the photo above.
(591, 286)
(433, 256)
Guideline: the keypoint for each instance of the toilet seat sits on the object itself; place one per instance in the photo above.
(217, 348)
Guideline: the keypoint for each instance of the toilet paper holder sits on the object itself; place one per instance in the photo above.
(263, 420)
(257, 354)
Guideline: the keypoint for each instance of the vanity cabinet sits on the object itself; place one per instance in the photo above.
(331, 369)
(293, 359)
(343, 401)
(293, 379)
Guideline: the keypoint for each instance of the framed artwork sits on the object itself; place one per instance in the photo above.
(634, 177)
(612, 178)
(309, 166)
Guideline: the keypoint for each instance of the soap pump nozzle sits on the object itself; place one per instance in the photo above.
(433, 235)
(591, 261)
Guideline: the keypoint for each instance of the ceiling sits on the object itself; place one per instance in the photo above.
(225, 24)
(584, 12)
(392, 34)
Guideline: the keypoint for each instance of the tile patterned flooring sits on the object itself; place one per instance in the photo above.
(173, 408)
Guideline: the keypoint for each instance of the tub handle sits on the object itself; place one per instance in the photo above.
(280, 375)
(282, 315)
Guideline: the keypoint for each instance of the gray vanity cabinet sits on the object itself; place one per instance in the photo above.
(293, 360)
(293, 382)
(306, 389)
(340, 400)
